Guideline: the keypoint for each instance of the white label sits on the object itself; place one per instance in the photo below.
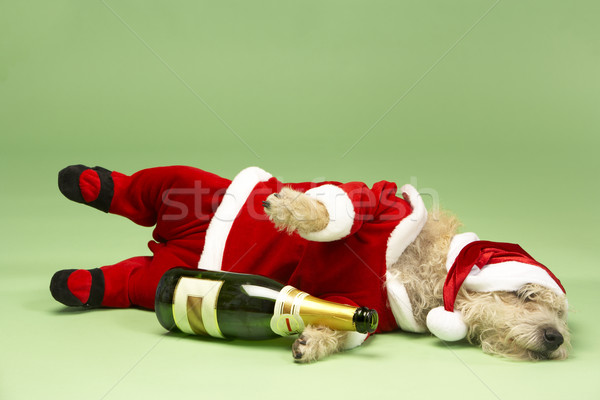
(195, 306)
(286, 324)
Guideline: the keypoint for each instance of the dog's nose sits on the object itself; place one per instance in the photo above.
(552, 339)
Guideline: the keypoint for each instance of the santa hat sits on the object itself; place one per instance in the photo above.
(484, 266)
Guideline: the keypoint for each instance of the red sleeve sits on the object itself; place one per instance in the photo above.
(350, 205)
(341, 300)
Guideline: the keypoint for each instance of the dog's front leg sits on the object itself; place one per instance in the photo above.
(317, 342)
(291, 211)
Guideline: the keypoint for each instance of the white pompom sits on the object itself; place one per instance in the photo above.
(446, 325)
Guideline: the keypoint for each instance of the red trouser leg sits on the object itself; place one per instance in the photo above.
(172, 195)
(116, 280)
(134, 281)
(143, 282)
(178, 199)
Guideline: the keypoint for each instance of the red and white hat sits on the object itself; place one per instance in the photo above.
(484, 266)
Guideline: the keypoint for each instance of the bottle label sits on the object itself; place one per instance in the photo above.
(195, 306)
(287, 324)
(286, 318)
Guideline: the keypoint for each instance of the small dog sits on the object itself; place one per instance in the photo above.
(529, 323)
(345, 242)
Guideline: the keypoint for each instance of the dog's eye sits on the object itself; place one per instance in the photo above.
(526, 296)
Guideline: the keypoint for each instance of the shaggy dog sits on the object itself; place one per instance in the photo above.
(203, 220)
(528, 324)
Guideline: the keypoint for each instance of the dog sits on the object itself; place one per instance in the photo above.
(527, 324)
(342, 242)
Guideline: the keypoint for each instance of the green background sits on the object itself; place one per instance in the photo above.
(490, 108)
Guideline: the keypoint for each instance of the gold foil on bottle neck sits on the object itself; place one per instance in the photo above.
(315, 311)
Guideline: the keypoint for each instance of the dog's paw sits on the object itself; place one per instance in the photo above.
(291, 211)
(300, 349)
(317, 342)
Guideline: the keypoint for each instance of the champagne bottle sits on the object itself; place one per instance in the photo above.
(233, 305)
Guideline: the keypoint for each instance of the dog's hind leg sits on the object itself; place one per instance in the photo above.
(99, 287)
(176, 195)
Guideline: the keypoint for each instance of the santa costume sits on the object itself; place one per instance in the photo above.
(205, 221)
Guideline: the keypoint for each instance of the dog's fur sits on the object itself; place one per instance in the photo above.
(511, 324)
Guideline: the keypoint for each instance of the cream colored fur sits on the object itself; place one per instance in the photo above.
(291, 211)
(316, 342)
(510, 324)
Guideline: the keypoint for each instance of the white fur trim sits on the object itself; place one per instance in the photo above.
(354, 339)
(220, 225)
(409, 228)
(341, 213)
(446, 325)
(508, 276)
(401, 306)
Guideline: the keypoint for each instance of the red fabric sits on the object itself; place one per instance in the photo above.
(181, 201)
(89, 185)
(116, 281)
(353, 267)
(481, 253)
(341, 300)
(80, 284)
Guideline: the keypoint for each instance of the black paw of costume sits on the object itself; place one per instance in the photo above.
(97, 183)
(59, 287)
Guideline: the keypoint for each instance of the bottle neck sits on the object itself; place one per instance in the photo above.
(294, 309)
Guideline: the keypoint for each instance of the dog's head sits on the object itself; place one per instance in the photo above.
(529, 324)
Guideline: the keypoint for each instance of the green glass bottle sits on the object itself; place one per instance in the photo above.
(232, 305)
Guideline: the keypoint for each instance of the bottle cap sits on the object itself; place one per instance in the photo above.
(365, 320)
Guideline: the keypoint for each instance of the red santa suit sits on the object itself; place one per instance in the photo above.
(205, 221)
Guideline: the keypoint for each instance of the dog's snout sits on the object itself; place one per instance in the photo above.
(552, 339)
